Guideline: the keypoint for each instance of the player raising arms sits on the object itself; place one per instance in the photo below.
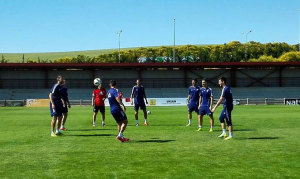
(138, 93)
(193, 100)
(98, 98)
(226, 98)
(117, 111)
(205, 105)
(65, 98)
(56, 105)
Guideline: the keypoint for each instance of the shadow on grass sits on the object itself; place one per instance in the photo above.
(91, 135)
(260, 138)
(154, 141)
(89, 129)
(244, 129)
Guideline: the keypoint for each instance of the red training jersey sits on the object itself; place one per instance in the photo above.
(99, 95)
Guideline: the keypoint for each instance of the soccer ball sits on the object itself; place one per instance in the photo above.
(97, 81)
(148, 112)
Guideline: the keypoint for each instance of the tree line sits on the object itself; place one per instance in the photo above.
(231, 52)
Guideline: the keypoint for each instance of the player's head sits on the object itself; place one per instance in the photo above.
(194, 82)
(222, 81)
(60, 79)
(138, 82)
(112, 83)
(204, 82)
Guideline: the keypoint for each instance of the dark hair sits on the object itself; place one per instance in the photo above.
(113, 82)
(223, 79)
(195, 79)
(204, 79)
(138, 79)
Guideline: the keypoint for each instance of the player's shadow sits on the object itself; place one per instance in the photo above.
(90, 135)
(89, 129)
(261, 138)
(154, 141)
(244, 130)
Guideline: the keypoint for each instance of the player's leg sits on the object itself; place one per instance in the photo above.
(223, 126)
(212, 122)
(96, 109)
(229, 123)
(59, 119)
(200, 121)
(189, 117)
(53, 124)
(122, 121)
(64, 119)
(145, 115)
(102, 110)
(136, 114)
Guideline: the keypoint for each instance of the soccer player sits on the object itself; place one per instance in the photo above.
(56, 105)
(226, 98)
(193, 100)
(98, 98)
(205, 105)
(64, 95)
(117, 111)
(138, 93)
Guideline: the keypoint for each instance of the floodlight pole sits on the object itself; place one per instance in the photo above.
(119, 34)
(246, 43)
(299, 30)
(174, 44)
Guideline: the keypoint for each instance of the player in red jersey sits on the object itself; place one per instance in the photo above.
(98, 98)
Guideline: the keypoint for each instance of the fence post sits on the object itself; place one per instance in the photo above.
(80, 102)
(266, 101)
(284, 101)
(247, 101)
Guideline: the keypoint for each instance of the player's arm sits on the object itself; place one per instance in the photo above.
(51, 99)
(93, 99)
(200, 102)
(218, 103)
(131, 96)
(188, 100)
(68, 102)
(121, 103)
(211, 102)
(145, 96)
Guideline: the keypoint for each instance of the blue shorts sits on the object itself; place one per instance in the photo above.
(58, 109)
(204, 110)
(119, 116)
(193, 107)
(226, 114)
(141, 106)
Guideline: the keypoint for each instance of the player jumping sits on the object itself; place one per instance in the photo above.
(193, 100)
(117, 111)
(56, 105)
(205, 105)
(226, 98)
(138, 93)
(65, 98)
(98, 98)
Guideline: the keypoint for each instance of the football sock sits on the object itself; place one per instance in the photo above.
(136, 121)
(224, 131)
(190, 121)
(230, 134)
(145, 120)
(62, 126)
(211, 127)
(120, 134)
(200, 126)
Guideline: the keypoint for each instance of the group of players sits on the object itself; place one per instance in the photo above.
(200, 100)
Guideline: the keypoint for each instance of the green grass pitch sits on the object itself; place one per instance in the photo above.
(266, 145)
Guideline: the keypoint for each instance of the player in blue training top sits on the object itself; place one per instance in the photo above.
(193, 100)
(117, 110)
(226, 98)
(206, 101)
(65, 98)
(56, 106)
(139, 95)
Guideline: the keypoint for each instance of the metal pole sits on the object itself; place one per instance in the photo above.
(246, 44)
(174, 44)
(119, 35)
(299, 30)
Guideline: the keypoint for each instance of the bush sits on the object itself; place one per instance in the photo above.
(290, 57)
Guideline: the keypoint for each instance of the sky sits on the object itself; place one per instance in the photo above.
(73, 25)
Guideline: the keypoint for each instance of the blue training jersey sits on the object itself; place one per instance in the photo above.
(138, 93)
(55, 90)
(112, 94)
(194, 93)
(64, 93)
(227, 95)
(206, 93)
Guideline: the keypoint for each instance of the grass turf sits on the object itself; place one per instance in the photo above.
(266, 145)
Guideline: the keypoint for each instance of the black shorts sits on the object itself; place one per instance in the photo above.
(65, 109)
(99, 108)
